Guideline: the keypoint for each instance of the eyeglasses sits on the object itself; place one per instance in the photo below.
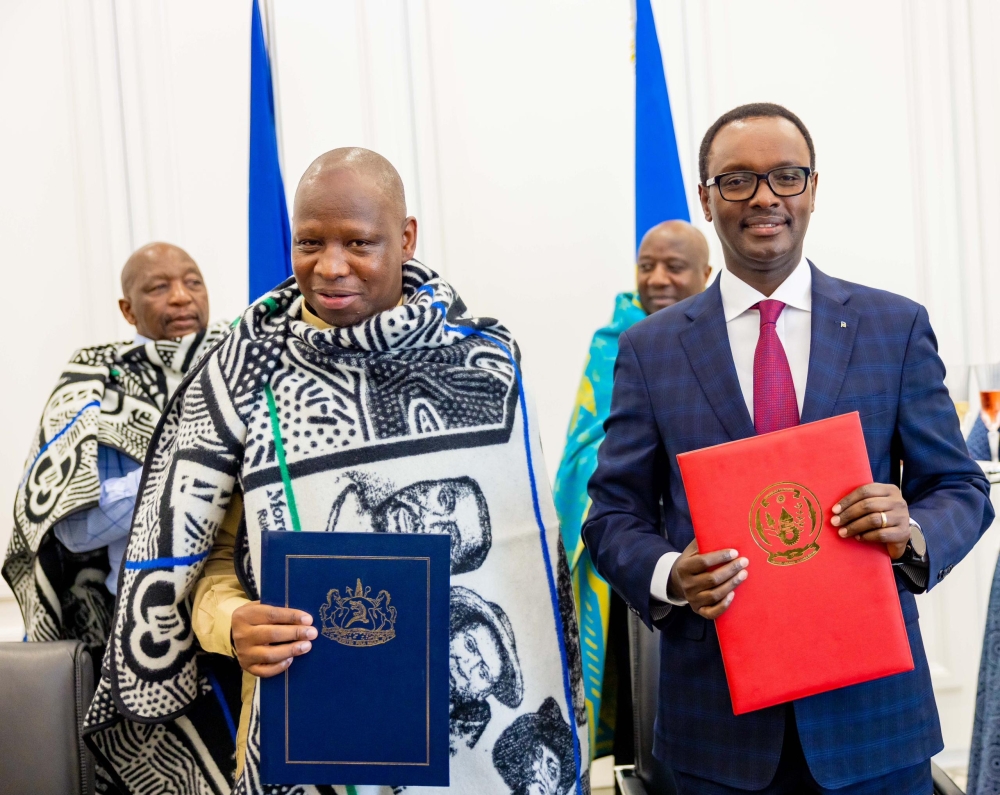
(738, 186)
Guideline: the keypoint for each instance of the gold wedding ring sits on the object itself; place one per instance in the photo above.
(884, 520)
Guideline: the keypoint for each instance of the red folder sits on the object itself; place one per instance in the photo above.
(817, 611)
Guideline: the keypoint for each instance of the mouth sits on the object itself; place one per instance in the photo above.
(336, 299)
(662, 300)
(765, 226)
(183, 322)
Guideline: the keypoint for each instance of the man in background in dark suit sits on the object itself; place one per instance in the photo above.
(772, 343)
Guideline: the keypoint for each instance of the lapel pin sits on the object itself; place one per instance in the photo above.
(843, 324)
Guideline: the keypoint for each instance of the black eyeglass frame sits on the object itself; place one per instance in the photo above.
(766, 177)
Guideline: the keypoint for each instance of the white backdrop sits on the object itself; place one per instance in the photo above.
(511, 124)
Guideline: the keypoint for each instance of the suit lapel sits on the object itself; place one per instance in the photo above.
(706, 344)
(834, 327)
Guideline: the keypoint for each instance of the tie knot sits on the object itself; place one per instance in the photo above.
(769, 311)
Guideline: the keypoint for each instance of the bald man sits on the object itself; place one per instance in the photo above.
(84, 467)
(672, 265)
(362, 396)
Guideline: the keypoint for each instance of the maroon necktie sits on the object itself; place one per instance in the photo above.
(774, 403)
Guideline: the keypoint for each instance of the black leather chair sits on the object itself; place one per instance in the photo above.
(649, 776)
(45, 689)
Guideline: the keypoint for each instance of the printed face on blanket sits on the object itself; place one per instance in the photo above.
(360, 394)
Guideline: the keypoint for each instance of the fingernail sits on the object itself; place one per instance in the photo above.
(729, 598)
(836, 508)
(843, 534)
(306, 619)
(733, 553)
(835, 521)
(311, 633)
(304, 647)
(741, 576)
(744, 562)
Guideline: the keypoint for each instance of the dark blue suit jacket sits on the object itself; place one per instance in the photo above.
(676, 390)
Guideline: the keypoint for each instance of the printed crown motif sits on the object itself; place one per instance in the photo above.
(357, 619)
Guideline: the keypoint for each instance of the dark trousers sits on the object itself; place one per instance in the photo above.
(793, 776)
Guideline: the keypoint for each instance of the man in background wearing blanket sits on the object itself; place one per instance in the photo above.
(75, 501)
(361, 393)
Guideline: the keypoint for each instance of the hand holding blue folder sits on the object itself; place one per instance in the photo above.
(369, 703)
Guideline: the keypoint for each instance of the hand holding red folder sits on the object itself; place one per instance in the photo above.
(876, 512)
(817, 611)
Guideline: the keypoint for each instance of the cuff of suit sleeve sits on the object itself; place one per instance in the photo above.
(661, 579)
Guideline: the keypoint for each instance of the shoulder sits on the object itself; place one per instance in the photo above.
(661, 329)
(98, 355)
(882, 307)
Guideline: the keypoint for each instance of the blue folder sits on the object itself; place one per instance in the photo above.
(369, 703)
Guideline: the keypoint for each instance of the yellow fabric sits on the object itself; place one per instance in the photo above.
(318, 322)
(216, 596)
(313, 320)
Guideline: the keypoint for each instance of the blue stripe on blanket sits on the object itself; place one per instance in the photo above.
(553, 592)
(164, 563)
(92, 404)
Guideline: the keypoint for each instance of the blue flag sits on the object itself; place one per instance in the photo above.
(659, 187)
(270, 236)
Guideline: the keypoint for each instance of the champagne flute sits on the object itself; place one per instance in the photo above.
(988, 376)
(957, 381)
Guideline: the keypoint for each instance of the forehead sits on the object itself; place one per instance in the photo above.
(342, 194)
(758, 145)
(166, 266)
(668, 244)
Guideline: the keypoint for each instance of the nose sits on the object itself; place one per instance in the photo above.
(332, 263)
(764, 197)
(660, 277)
(179, 295)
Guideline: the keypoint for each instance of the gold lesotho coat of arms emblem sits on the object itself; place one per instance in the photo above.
(785, 521)
(358, 619)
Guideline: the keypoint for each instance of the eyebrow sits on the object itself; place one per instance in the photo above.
(782, 164)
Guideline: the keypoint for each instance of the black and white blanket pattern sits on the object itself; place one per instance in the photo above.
(108, 394)
(413, 421)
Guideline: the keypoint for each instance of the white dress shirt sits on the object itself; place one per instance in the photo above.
(794, 329)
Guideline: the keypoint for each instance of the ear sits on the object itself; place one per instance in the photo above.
(703, 195)
(126, 307)
(815, 181)
(409, 238)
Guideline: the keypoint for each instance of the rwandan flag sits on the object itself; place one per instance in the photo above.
(270, 236)
(659, 196)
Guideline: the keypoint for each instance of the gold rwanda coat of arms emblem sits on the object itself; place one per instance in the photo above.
(785, 521)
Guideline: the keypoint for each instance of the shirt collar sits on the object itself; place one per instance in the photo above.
(738, 296)
(141, 340)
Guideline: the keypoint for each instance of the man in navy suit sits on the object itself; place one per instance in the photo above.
(774, 342)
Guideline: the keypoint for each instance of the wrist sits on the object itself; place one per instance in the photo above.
(674, 590)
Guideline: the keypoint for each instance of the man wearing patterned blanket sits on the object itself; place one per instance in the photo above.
(74, 504)
(361, 393)
(84, 467)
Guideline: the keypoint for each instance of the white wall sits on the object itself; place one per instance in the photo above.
(511, 124)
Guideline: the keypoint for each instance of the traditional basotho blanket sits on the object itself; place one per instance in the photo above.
(413, 421)
(585, 434)
(111, 395)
